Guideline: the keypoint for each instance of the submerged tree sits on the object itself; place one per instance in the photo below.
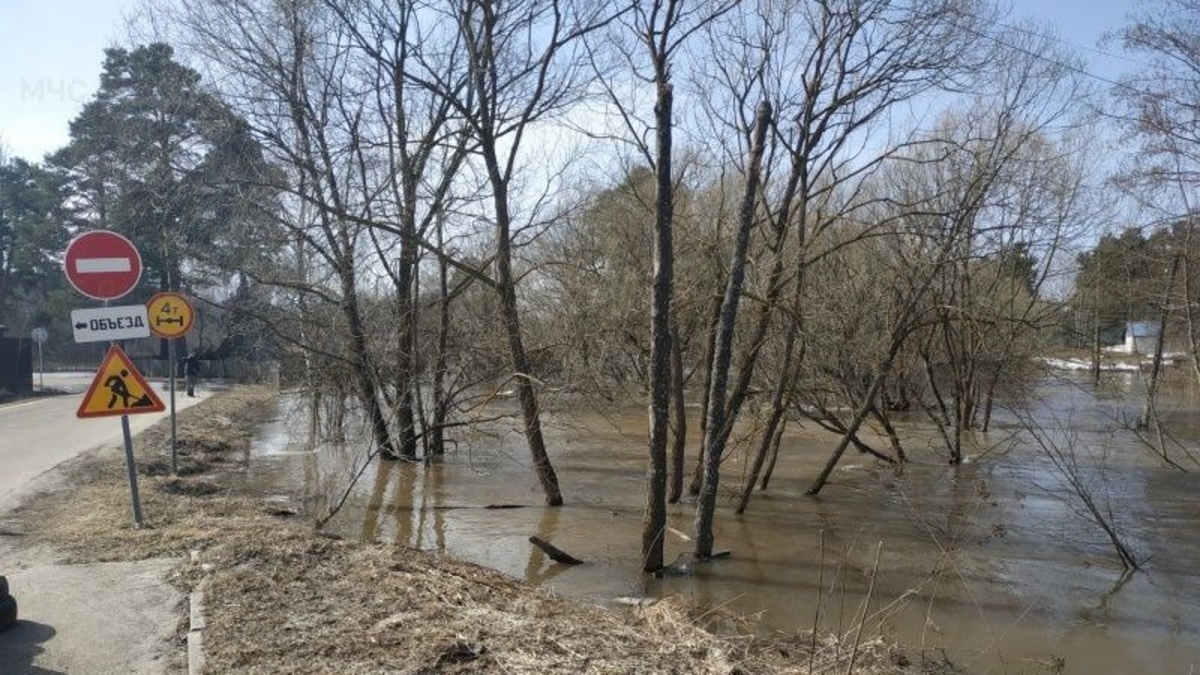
(1158, 111)
(659, 31)
(415, 148)
(858, 61)
(524, 64)
(300, 96)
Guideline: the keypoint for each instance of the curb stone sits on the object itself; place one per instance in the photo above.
(195, 636)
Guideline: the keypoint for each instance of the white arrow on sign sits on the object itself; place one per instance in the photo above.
(110, 323)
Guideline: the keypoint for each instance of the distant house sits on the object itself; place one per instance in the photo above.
(1141, 337)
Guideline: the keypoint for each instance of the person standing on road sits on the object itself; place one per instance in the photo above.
(8, 606)
(191, 369)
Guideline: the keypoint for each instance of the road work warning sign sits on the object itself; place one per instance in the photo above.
(118, 389)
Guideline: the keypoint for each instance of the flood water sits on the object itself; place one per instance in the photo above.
(994, 561)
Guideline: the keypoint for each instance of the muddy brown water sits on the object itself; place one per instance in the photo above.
(993, 563)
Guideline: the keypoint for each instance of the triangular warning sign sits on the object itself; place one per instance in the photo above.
(118, 389)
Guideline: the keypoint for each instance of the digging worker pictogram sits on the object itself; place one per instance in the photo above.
(120, 390)
(116, 384)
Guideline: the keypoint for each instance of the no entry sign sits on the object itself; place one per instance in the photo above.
(102, 264)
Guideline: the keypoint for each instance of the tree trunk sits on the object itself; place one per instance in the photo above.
(864, 409)
(770, 439)
(360, 361)
(710, 347)
(893, 437)
(723, 356)
(766, 477)
(1189, 310)
(506, 287)
(655, 519)
(1164, 312)
(406, 280)
(989, 399)
(520, 363)
(679, 413)
(407, 328)
(405, 418)
(441, 403)
(773, 432)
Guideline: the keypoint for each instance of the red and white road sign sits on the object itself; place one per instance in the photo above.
(102, 264)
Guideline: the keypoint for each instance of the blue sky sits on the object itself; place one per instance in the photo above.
(51, 51)
(50, 56)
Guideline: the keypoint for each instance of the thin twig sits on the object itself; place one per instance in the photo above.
(812, 653)
(866, 609)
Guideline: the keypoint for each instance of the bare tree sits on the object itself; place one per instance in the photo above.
(824, 115)
(859, 60)
(1083, 478)
(408, 151)
(661, 29)
(1157, 108)
(660, 45)
(723, 354)
(958, 199)
(523, 63)
(298, 94)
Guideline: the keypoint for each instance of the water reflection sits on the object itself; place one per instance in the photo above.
(992, 560)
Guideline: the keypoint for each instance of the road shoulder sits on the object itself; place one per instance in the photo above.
(109, 617)
(91, 599)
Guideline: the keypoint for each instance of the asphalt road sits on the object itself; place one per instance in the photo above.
(38, 434)
(95, 618)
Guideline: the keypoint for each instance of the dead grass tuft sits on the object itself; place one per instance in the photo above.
(190, 488)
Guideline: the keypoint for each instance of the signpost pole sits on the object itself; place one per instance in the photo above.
(170, 316)
(132, 468)
(171, 367)
(39, 336)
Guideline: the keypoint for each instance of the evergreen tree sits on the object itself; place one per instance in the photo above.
(156, 157)
(31, 236)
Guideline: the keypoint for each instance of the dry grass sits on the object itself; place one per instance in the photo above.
(342, 607)
(281, 598)
(90, 518)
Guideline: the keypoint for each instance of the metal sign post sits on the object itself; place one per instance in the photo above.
(119, 389)
(39, 336)
(170, 316)
(171, 367)
(132, 469)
